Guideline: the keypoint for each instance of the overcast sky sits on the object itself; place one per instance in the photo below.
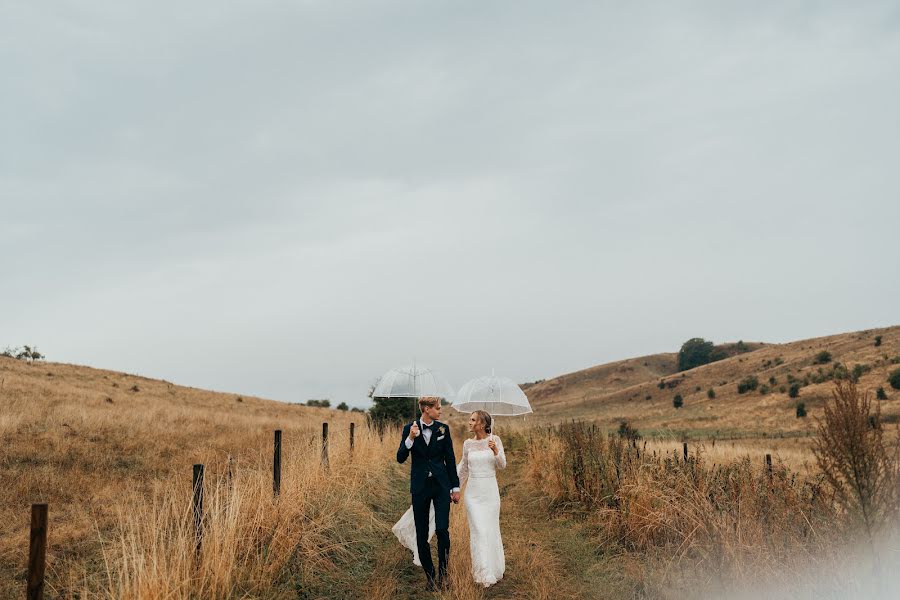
(286, 199)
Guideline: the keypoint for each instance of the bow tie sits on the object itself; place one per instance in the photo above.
(424, 426)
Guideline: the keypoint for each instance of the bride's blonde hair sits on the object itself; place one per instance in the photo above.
(485, 418)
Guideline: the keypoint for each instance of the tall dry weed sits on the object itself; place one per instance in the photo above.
(699, 522)
(859, 462)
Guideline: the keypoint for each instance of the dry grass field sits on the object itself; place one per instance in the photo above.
(641, 390)
(112, 455)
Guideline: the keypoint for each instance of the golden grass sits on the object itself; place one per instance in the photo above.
(718, 523)
(629, 389)
(114, 464)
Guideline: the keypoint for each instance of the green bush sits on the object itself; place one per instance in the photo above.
(748, 384)
(877, 340)
(319, 403)
(801, 410)
(763, 390)
(711, 393)
(343, 406)
(894, 379)
(794, 390)
(628, 432)
(880, 394)
(677, 401)
(858, 371)
(823, 357)
(773, 381)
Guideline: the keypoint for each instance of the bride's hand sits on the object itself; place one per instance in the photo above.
(493, 446)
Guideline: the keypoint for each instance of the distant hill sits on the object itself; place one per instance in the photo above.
(641, 390)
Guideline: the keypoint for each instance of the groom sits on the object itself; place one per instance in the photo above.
(432, 479)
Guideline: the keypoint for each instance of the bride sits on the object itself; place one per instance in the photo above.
(482, 455)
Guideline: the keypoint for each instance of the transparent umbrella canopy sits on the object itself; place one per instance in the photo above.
(413, 381)
(500, 396)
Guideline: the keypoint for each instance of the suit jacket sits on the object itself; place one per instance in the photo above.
(436, 457)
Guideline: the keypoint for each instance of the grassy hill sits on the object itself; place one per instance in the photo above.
(641, 390)
(111, 453)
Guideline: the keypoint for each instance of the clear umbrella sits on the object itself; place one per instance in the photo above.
(413, 381)
(500, 396)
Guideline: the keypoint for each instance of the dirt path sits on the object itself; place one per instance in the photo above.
(545, 557)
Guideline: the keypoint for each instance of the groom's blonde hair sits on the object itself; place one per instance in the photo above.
(429, 401)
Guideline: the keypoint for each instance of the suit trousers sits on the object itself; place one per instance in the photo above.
(421, 504)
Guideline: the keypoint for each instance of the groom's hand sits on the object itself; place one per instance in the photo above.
(414, 431)
(454, 497)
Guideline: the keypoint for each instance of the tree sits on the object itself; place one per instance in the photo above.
(880, 394)
(677, 401)
(695, 352)
(30, 354)
(319, 403)
(794, 391)
(391, 411)
(711, 393)
(801, 410)
(877, 340)
(343, 406)
(894, 379)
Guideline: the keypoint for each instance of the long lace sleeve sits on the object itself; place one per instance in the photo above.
(462, 469)
(500, 458)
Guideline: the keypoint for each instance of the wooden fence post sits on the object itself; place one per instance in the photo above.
(276, 465)
(352, 433)
(198, 506)
(325, 444)
(37, 552)
(685, 452)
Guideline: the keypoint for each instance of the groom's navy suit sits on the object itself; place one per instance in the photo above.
(432, 477)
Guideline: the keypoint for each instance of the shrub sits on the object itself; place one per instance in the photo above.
(782, 389)
(858, 371)
(628, 432)
(895, 360)
(763, 390)
(794, 390)
(711, 393)
(877, 340)
(343, 406)
(840, 372)
(357, 409)
(823, 357)
(772, 380)
(748, 384)
(880, 394)
(779, 361)
(677, 401)
(648, 397)
(801, 410)
(319, 403)
(894, 379)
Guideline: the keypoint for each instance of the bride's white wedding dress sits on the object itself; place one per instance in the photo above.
(482, 502)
